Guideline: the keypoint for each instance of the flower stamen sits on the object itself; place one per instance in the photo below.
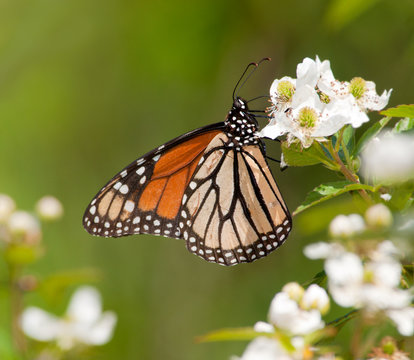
(357, 87)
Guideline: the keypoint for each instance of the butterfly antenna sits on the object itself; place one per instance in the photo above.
(241, 77)
(256, 65)
(259, 97)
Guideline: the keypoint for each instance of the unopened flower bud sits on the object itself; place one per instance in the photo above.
(378, 216)
(7, 206)
(24, 226)
(315, 297)
(294, 290)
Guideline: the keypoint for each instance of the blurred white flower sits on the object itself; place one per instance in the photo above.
(24, 226)
(372, 285)
(49, 208)
(389, 159)
(287, 314)
(323, 250)
(7, 206)
(84, 322)
(346, 225)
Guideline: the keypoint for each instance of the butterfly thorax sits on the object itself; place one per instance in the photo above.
(241, 125)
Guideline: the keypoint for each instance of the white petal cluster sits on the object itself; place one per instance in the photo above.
(389, 159)
(372, 284)
(316, 105)
(83, 323)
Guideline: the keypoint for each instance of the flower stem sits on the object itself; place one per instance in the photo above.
(349, 175)
(16, 306)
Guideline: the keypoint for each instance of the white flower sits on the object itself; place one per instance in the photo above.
(84, 322)
(323, 250)
(307, 118)
(316, 105)
(7, 206)
(286, 314)
(25, 226)
(372, 286)
(389, 159)
(49, 208)
(346, 225)
(262, 348)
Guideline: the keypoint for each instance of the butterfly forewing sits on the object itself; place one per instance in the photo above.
(146, 196)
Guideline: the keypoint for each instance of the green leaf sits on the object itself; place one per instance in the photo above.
(231, 334)
(403, 125)
(400, 111)
(295, 155)
(369, 134)
(328, 191)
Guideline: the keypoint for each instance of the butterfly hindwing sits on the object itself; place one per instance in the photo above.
(232, 210)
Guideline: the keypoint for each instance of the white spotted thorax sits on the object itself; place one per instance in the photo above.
(201, 187)
(241, 126)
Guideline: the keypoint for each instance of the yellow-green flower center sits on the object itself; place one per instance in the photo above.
(357, 87)
(307, 117)
(285, 90)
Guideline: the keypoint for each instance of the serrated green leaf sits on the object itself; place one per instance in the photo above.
(328, 191)
(403, 125)
(295, 155)
(369, 134)
(231, 334)
(400, 111)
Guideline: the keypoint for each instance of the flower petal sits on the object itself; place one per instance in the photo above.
(39, 324)
(85, 305)
(101, 332)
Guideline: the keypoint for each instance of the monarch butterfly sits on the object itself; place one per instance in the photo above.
(211, 187)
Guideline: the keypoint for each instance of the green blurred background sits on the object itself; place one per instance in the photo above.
(88, 86)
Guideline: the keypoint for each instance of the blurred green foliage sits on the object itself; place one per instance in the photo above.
(88, 86)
